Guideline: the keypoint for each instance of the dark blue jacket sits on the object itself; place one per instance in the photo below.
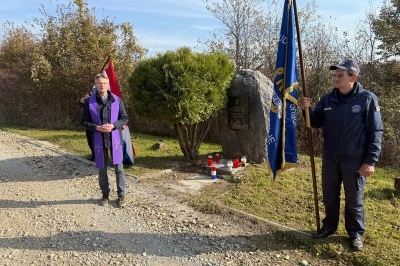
(105, 116)
(352, 130)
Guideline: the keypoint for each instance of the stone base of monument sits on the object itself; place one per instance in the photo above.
(194, 184)
(222, 169)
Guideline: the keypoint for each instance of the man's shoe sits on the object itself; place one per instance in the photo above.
(104, 200)
(322, 234)
(356, 243)
(121, 200)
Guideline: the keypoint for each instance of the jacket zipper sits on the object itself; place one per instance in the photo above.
(337, 130)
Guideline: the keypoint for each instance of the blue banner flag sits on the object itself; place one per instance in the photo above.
(281, 140)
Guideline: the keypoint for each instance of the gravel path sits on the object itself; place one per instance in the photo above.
(50, 215)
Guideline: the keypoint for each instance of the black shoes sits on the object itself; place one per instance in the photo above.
(322, 234)
(121, 200)
(356, 243)
(104, 200)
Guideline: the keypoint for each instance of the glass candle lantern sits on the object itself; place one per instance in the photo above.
(229, 164)
(243, 160)
(235, 162)
(217, 158)
(213, 172)
(210, 160)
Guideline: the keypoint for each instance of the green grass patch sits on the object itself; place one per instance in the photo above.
(288, 200)
(146, 160)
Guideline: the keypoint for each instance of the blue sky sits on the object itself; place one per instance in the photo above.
(162, 25)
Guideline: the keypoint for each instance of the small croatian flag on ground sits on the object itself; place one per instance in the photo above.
(128, 150)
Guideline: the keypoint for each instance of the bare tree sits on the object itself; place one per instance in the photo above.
(244, 33)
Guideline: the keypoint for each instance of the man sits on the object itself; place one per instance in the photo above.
(352, 132)
(104, 114)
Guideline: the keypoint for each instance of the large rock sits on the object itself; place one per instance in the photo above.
(243, 127)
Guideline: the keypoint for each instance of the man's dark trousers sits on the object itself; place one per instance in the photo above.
(333, 175)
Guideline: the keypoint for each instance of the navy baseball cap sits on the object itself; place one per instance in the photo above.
(347, 64)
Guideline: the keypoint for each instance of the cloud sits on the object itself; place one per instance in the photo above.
(205, 28)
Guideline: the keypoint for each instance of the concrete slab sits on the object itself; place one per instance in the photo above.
(198, 181)
(195, 183)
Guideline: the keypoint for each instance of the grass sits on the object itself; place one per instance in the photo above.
(288, 200)
(147, 160)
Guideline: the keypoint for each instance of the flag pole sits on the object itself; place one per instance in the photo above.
(77, 110)
(308, 125)
(105, 63)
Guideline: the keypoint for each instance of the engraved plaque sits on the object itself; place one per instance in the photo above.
(238, 112)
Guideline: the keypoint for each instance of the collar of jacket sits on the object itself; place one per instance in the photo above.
(109, 96)
(357, 89)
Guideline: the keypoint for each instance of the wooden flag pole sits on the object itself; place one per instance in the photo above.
(104, 66)
(308, 125)
(77, 110)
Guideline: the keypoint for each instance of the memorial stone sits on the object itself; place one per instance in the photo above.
(243, 127)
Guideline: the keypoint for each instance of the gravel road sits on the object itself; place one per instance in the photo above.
(51, 215)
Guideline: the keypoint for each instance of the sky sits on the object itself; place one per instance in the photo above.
(161, 25)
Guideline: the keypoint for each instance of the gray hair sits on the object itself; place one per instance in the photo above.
(99, 76)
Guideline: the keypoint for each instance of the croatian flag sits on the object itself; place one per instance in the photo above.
(127, 146)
